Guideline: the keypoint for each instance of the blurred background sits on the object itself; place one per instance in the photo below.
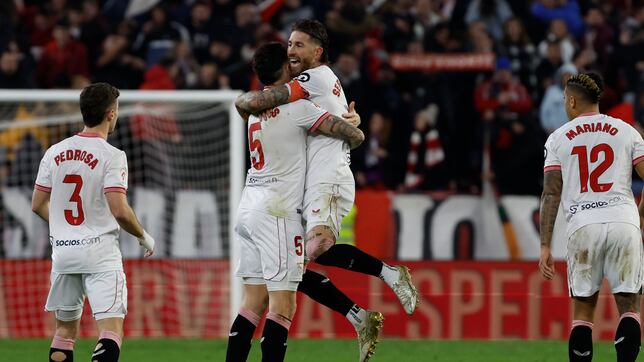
(457, 98)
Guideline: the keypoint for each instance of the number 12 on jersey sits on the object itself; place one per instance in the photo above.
(582, 156)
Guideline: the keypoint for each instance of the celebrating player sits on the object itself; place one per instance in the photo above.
(330, 187)
(588, 167)
(269, 226)
(80, 190)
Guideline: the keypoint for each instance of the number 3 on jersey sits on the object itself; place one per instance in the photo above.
(255, 145)
(582, 156)
(69, 214)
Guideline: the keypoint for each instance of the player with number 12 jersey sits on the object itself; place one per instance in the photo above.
(595, 154)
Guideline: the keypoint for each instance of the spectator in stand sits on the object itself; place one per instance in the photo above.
(211, 78)
(288, 14)
(373, 157)
(480, 40)
(347, 69)
(493, 13)
(503, 96)
(558, 33)
(93, 31)
(629, 52)
(519, 49)
(158, 37)
(584, 60)
(348, 24)
(568, 10)
(504, 105)
(62, 59)
(548, 66)
(552, 111)
(116, 65)
(187, 66)
(599, 36)
(16, 67)
(426, 167)
(200, 29)
(24, 167)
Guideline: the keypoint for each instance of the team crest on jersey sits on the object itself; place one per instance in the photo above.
(123, 174)
(303, 77)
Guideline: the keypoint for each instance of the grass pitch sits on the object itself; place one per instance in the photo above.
(394, 350)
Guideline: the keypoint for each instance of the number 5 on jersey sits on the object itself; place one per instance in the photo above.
(255, 145)
(582, 156)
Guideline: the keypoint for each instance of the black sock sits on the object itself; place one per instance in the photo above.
(349, 257)
(107, 350)
(69, 354)
(273, 342)
(319, 288)
(239, 339)
(580, 343)
(627, 339)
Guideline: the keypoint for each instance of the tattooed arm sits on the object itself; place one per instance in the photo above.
(550, 199)
(337, 127)
(255, 102)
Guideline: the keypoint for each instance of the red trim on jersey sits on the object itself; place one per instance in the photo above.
(638, 160)
(42, 188)
(317, 123)
(552, 168)
(588, 114)
(122, 190)
(89, 134)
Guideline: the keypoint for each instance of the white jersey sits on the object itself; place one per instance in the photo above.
(78, 171)
(595, 154)
(328, 158)
(275, 181)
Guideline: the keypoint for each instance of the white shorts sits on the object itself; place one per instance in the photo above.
(328, 204)
(272, 250)
(611, 250)
(107, 294)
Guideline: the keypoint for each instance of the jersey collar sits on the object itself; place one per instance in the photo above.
(588, 114)
(89, 134)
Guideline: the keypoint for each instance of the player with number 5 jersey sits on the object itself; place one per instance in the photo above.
(588, 169)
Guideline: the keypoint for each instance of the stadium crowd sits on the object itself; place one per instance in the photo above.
(425, 130)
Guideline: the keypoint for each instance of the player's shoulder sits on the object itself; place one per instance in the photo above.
(321, 73)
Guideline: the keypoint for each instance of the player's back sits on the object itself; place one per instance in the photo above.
(595, 153)
(328, 158)
(83, 231)
(275, 180)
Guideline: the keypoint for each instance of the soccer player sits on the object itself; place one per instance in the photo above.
(588, 167)
(330, 187)
(269, 226)
(80, 190)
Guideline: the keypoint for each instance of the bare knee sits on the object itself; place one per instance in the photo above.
(283, 303)
(318, 241)
(67, 330)
(584, 307)
(628, 302)
(255, 298)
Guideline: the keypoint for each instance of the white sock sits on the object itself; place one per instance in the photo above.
(356, 316)
(389, 274)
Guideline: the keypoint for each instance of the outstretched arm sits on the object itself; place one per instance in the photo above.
(550, 199)
(255, 102)
(337, 127)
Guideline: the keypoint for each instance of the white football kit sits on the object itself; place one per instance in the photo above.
(330, 187)
(269, 222)
(86, 258)
(596, 154)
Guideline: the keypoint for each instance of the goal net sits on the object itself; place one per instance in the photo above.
(186, 158)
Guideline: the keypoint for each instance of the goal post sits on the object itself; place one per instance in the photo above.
(186, 154)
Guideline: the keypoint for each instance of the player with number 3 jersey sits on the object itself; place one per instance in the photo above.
(81, 191)
(588, 169)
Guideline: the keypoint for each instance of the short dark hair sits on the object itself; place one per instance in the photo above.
(95, 100)
(317, 31)
(268, 62)
(589, 85)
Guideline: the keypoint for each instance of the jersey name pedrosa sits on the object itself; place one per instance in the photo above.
(83, 233)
